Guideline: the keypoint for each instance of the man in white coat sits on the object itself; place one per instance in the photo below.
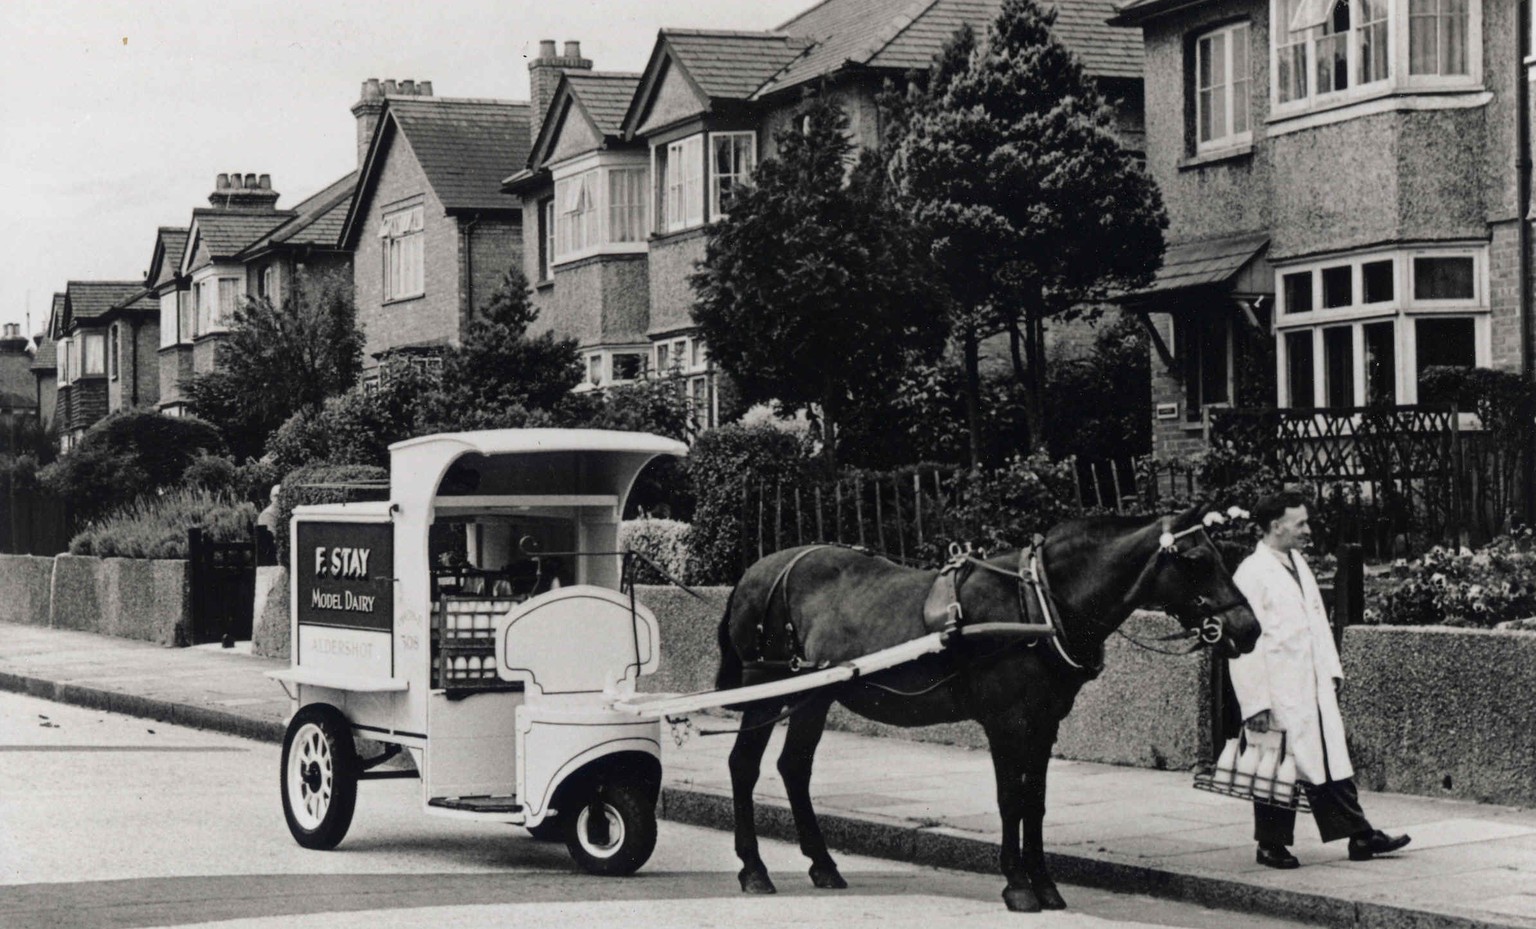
(1290, 682)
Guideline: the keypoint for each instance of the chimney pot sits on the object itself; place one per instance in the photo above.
(390, 87)
(250, 182)
(546, 48)
(408, 87)
(265, 182)
(572, 50)
(371, 89)
(223, 182)
(424, 88)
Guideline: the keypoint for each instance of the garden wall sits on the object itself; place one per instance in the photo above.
(126, 597)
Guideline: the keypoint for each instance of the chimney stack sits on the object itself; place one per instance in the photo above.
(369, 107)
(244, 192)
(12, 342)
(544, 76)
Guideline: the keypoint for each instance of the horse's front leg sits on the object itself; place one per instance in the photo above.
(1007, 740)
(1037, 757)
(746, 763)
(805, 729)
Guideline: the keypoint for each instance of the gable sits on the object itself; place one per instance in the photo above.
(674, 99)
(575, 134)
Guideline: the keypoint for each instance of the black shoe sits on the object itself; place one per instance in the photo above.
(1276, 856)
(1377, 843)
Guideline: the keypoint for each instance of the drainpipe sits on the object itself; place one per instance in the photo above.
(1522, 223)
(466, 234)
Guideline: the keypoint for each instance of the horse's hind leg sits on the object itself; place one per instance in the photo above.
(805, 728)
(746, 763)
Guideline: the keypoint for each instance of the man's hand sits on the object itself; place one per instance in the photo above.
(1259, 722)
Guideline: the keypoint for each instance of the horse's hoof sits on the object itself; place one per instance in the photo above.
(1049, 897)
(756, 882)
(1021, 900)
(827, 878)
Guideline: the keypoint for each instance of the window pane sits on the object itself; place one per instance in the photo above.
(1298, 292)
(1338, 287)
(1207, 130)
(1213, 368)
(1453, 45)
(1298, 357)
(1339, 365)
(1240, 106)
(1423, 39)
(626, 366)
(595, 370)
(1332, 53)
(1376, 281)
(1445, 342)
(95, 354)
(1380, 363)
(1443, 278)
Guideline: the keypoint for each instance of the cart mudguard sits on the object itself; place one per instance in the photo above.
(555, 748)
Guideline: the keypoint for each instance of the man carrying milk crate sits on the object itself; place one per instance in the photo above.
(1290, 683)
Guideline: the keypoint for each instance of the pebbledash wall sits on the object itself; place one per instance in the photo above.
(1434, 711)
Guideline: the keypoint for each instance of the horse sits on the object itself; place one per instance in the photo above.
(814, 606)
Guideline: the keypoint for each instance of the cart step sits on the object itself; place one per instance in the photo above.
(478, 804)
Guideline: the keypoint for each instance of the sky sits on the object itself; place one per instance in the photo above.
(117, 115)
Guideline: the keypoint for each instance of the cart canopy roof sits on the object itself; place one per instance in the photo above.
(523, 441)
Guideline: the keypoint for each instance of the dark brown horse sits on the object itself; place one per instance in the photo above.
(817, 605)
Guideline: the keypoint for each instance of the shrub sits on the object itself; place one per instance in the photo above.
(298, 491)
(722, 463)
(355, 428)
(1003, 509)
(156, 526)
(664, 541)
(128, 455)
(1458, 588)
(210, 472)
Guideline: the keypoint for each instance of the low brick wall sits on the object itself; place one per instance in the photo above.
(76, 594)
(1442, 712)
(26, 583)
(126, 597)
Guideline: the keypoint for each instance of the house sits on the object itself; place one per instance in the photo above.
(79, 327)
(240, 246)
(18, 388)
(702, 113)
(1347, 187)
(45, 365)
(429, 227)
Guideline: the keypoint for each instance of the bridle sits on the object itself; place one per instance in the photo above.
(1209, 617)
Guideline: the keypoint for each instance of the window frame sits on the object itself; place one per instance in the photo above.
(676, 213)
(598, 233)
(402, 252)
(114, 337)
(61, 352)
(1397, 81)
(713, 177)
(546, 228)
(1231, 138)
(93, 344)
(1403, 311)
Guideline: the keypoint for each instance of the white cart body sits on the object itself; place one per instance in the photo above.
(502, 687)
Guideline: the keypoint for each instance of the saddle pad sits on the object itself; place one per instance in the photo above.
(936, 607)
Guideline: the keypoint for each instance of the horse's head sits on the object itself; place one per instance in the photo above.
(1188, 578)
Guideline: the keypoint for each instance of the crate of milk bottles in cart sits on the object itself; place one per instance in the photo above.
(1256, 766)
(464, 642)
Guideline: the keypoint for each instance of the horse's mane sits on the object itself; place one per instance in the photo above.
(1096, 530)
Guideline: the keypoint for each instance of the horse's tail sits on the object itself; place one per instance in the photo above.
(729, 675)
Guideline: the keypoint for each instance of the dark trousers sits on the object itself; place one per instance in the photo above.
(1335, 806)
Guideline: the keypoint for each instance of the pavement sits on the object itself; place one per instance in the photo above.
(1123, 829)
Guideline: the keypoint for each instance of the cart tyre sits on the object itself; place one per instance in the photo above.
(631, 816)
(318, 776)
(552, 829)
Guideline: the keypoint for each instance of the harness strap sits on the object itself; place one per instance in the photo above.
(796, 660)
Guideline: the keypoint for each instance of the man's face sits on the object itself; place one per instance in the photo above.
(1292, 531)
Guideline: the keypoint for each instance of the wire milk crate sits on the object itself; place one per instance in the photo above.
(1256, 767)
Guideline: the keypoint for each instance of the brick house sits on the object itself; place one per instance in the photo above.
(171, 291)
(583, 197)
(703, 112)
(1344, 200)
(429, 227)
(133, 342)
(80, 330)
(45, 365)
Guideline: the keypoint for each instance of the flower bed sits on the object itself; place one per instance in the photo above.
(1493, 585)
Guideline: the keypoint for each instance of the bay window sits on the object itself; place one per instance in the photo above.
(404, 235)
(626, 205)
(1381, 321)
(576, 214)
(596, 209)
(1328, 50)
(683, 191)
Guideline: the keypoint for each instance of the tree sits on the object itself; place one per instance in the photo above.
(500, 377)
(811, 294)
(278, 359)
(1006, 156)
(127, 455)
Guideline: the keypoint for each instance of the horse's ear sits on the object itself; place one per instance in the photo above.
(1190, 516)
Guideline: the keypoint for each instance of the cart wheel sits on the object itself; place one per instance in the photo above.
(552, 829)
(319, 776)
(614, 833)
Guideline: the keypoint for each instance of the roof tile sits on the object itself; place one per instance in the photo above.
(604, 95)
(466, 147)
(90, 299)
(733, 64)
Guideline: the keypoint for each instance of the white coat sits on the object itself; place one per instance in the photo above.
(1292, 669)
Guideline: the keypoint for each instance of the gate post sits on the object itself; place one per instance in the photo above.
(197, 578)
(1348, 592)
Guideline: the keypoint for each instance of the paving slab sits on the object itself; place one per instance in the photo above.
(1471, 865)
